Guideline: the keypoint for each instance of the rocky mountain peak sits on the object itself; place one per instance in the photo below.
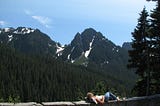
(127, 45)
(28, 40)
(19, 30)
(91, 46)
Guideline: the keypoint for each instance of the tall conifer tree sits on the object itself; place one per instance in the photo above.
(139, 53)
(155, 53)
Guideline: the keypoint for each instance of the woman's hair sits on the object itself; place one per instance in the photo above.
(89, 95)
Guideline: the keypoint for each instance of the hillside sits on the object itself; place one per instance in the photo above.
(32, 63)
(28, 41)
(91, 49)
(39, 78)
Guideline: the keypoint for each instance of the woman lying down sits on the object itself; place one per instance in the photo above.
(101, 99)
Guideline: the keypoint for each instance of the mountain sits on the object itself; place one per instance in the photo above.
(127, 45)
(91, 49)
(28, 40)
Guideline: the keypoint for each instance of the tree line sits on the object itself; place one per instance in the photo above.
(41, 78)
(38, 78)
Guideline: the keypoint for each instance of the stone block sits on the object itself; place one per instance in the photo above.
(6, 104)
(26, 104)
(57, 104)
(81, 103)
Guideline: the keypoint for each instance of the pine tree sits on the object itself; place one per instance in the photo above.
(139, 58)
(155, 53)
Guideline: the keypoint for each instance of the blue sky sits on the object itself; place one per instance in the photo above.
(62, 19)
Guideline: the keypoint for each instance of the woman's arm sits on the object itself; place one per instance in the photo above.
(100, 101)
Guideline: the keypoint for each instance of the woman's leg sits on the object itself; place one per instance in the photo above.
(106, 96)
(112, 96)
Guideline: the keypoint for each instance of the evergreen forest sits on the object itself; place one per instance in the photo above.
(40, 78)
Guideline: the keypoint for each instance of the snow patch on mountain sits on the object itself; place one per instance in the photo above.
(106, 62)
(6, 29)
(90, 48)
(72, 61)
(19, 30)
(115, 49)
(59, 50)
(68, 57)
(24, 31)
(10, 38)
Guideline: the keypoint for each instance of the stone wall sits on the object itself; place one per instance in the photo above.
(135, 101)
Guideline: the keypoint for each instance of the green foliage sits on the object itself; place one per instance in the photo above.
(37, 78)
(80, 95)
(139, 55)
(42, 78)
(155, 50)
(13, 99)
(145, 55)
(1, 100)
(100, 88)
(10, 99)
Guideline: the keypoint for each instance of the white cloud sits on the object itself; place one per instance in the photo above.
(3, 23)
(43, 20)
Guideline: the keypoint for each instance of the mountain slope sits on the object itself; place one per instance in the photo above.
(94, 47)
(27, 40)
(91, 49)
(41, 78)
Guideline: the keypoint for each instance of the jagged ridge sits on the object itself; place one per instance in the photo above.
(28, 40)
(89, 48)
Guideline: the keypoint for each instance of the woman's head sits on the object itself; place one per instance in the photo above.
(89, 95)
